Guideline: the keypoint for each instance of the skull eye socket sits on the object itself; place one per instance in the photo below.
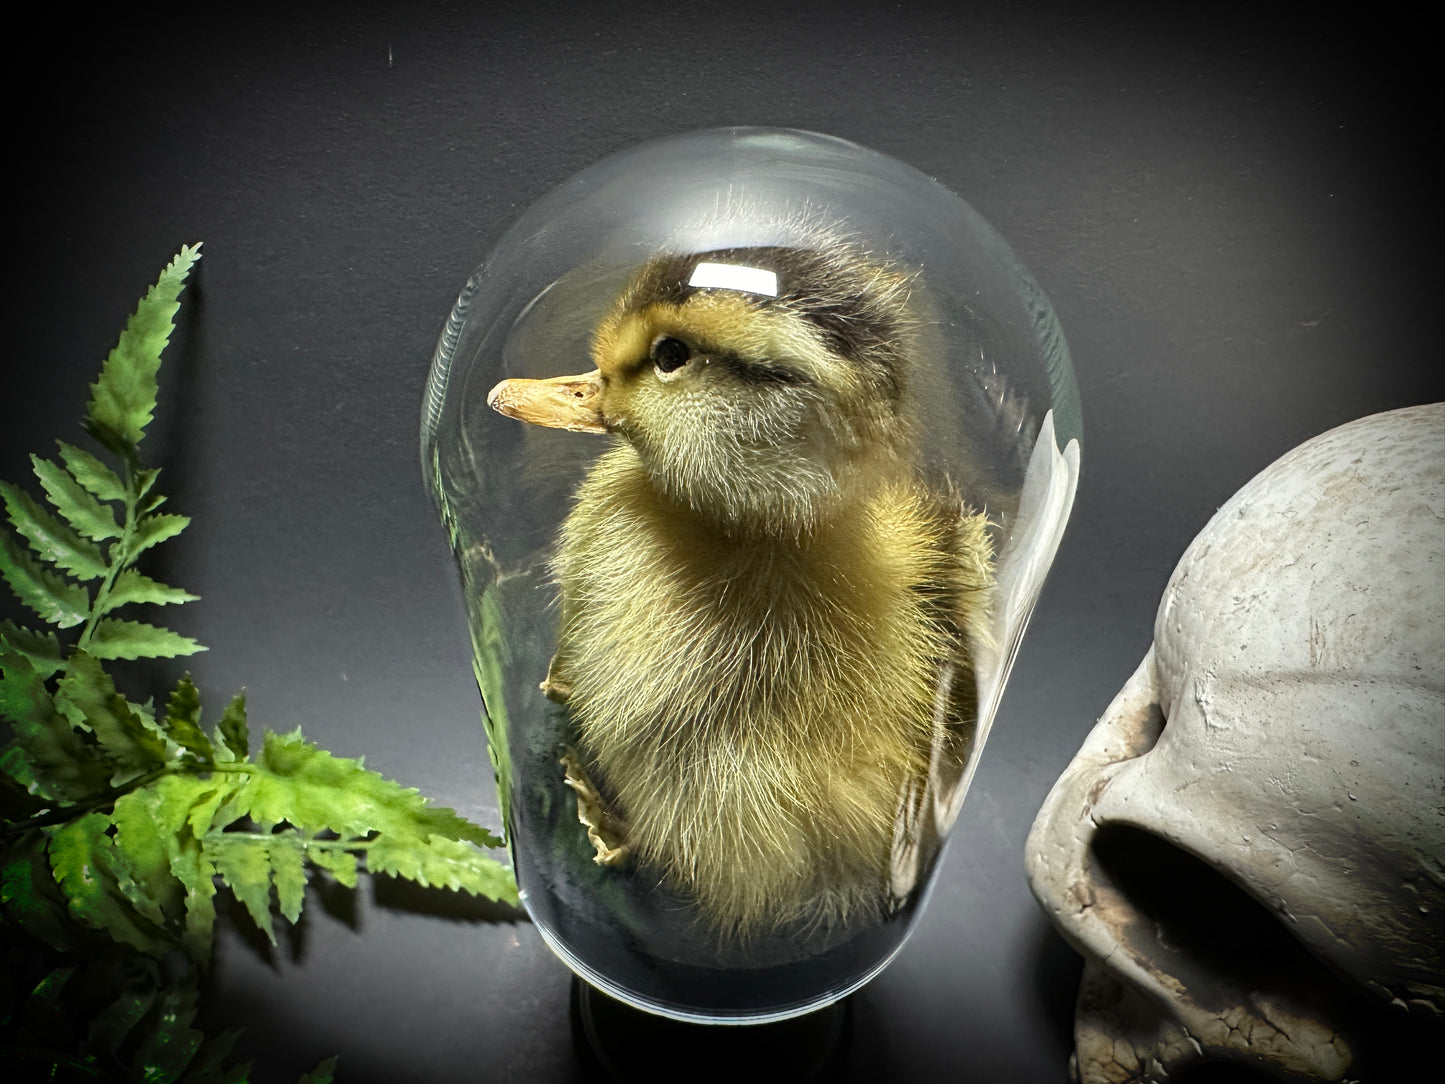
(1135, 721)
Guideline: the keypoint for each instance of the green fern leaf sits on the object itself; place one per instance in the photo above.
(42, 649)
(208, 1066)
(30, 898)
(316, 791)
(183, 804)
(71, 499)
(443, 822)
(243, 859)
(218, 807)
(340, 864)
(288, 873)
(88, 868)
(75, 867)
(123, 398)
(324, 1073)
(50, 538)
(118, 1020)
(90, 472)
(117, 639)
(17, 772)
(57, 764)
(297, 782)
(441, 863)
(23, 696)
(86, 694)
(130, 586)
(182, 722)
(155, 529)
(195, 871)
(129, 881)
(44, 1011)
(145, 478)
(139, 832)
(14, 767)
(173, 799)
(172, 1043)
(232, 731)
(53, 599)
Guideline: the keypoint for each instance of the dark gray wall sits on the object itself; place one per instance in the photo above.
(1230, 217)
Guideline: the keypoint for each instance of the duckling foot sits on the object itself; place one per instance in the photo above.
(604, 830)
(555, 686)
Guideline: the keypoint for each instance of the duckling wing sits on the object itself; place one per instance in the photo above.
(960, 599)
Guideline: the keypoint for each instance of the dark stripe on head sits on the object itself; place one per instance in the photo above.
(854, 300)
(761, 373)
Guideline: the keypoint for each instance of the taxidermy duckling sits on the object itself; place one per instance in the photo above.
(767, 620)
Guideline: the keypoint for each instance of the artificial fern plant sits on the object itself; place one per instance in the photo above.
(119, 820)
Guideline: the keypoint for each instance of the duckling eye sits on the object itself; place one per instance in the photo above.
(670, 354)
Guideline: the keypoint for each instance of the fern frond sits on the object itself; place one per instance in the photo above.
(52, 598)
(441, 862)
(122, 823)
(288, 873)
(89, 870)
(57, 543)
(31, 900)
(140, 832)
(172, 1043)
(340, 864)
(243, 859)
(116, 639)
(405, 835)
(87, 697)
(56, 763)
(171, 800)
(42, 649)
(90, 472)
(152, 530)
(182, 722)
(111, 1027)
(123, 398)
(322, 1074)
(232, 732)
(131, 586)
(73, 501)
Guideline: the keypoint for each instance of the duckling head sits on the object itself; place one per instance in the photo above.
(761, 388)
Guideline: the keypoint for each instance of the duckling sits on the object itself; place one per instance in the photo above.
(767, 619)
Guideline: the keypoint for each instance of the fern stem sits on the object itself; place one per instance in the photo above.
(120, 547)
(308, 844)
(101, 801)
(339, 844)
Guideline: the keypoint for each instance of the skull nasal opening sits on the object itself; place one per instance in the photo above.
(1194, 921)
(1194, 925)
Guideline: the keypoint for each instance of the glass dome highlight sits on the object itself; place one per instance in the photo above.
(753, 447)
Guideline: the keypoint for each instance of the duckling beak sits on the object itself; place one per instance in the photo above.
(561, 402)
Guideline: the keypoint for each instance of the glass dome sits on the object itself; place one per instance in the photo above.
(753, 447)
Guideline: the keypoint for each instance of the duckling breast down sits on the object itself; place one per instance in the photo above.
(754, 709)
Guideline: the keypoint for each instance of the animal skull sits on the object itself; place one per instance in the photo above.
(1249, 848)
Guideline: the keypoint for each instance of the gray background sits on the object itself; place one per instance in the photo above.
(1228, 214)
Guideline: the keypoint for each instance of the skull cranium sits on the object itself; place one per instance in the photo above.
(1249, 848)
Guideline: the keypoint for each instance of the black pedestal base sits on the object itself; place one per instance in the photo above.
(621, 1045)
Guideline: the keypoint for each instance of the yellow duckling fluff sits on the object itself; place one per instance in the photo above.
(767, 620)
